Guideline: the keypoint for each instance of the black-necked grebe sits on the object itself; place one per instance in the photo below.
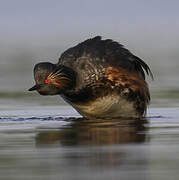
(99, 78)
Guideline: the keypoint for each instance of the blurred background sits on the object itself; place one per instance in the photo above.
(40, 30)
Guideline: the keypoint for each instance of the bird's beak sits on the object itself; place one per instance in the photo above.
(36, 87)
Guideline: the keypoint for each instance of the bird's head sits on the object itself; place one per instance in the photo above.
(52, 79)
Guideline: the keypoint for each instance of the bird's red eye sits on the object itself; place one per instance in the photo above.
(47, 81)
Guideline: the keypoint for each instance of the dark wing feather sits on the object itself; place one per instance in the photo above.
(110, 53)
(140, 66)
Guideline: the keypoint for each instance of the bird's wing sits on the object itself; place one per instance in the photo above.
(91, 58)
(104, 53)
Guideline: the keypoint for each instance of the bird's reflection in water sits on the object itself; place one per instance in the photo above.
(99, 144)
(95, 132)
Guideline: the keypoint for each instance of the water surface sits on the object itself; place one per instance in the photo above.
(43, 141)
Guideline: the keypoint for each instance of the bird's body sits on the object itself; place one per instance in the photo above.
(103, 80)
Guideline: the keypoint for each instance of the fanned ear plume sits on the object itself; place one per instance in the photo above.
(53, 75)
(62, 77)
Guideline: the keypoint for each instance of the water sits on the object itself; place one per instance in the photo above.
(43, 138)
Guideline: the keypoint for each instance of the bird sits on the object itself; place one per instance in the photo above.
(99, 78)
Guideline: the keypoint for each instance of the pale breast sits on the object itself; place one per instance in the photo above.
(111, 106)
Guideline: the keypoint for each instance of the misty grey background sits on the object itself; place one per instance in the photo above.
(40, 30)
